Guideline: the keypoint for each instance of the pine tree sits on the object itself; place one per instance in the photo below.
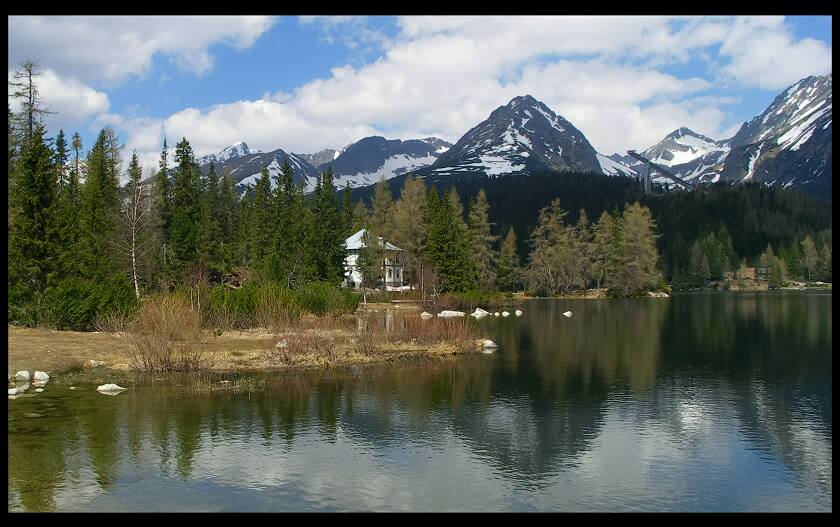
(229, 210)
(326, 230)
(100, 207)
(212, 217)
(481, 241)
(508, 271)
(261, 227)
(347, 211)
(32, 242)
(25, 88)
(699, 273)
(584, 245)
(186, 209)
(68, 219)
(163, 215)
(448, 245)
(60, 160)
(810, 257)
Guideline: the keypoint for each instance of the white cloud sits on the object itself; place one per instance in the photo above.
(114, 48)
(764, 54)
(442, 75)
(73, 102)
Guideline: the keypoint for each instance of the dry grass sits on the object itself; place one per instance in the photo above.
(458, 332)
(116, 322)
(276, 314)
(166, 336)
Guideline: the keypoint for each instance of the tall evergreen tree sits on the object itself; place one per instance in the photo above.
(381, 209)
(32, 243)
(326, 232)
(60, 160)
(347, 211)
(508, 271)
(409, 230)
(603, 249)
(262, 236)
(186, 208)
(448, 246)
(482, 241)
(100, 207)
(555, 265)
(699, 272)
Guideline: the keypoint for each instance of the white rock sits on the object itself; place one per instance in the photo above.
(15, 391)
(110, 389)
(39, 390)
(478, 311)
(496, 314)
(487, 343)
(426, 314)
(72, 387)
(13, 397)
(41, 376)
(567, 314)
(488, 351)
(448, 313)
(505, 314)
(518, 312)
(282, 344)
(22, 376)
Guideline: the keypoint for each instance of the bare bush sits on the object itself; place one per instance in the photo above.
(114, 322)
(458, 331)
(277, 313)
(165, 336)
(292, 349)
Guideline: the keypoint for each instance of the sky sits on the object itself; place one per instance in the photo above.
(308, 83)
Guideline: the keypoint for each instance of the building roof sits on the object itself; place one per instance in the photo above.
(357, 242)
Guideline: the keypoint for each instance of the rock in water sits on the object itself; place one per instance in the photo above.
(448, 313)
(41, 376)
(496, 314)
(480, 312)
(487, 343)
(505, 314)
(22, 376)
(110, 389)
(39, 390)
(426, 314)
(518, 312)
(567, 314)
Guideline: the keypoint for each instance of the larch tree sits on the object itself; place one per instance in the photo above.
(409, 231)
(482, 241)
(810, 257)
(508, 270)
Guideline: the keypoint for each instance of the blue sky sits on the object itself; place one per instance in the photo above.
(307, 83)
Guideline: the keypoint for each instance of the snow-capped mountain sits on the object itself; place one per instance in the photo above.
(235, 150)
(246, 169)
(789, 144)
(686, 153)
(523, 136)
(323, 157)
(367, 160)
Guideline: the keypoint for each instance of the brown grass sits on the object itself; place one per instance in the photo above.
(116, 322)
(166, 336)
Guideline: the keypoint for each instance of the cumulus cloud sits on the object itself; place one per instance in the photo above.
(112, 49)
(74, 103)
(442, 75)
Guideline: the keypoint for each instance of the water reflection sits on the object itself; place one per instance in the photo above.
(698, 402)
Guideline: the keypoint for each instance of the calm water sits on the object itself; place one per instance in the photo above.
(701, 402)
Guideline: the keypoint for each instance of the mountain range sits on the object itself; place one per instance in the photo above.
(789, 145)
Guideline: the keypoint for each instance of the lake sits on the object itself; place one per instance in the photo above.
(700, 402)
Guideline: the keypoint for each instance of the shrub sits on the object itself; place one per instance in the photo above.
(322, 298)
(165, 334)
(469, 300)
(74, 303)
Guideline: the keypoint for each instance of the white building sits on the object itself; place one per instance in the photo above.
(392, 263)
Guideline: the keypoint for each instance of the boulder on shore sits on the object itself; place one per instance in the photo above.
(505, 314)
(426, 314)
(518, 312)
(41, 376)
(496, 314)
(448, 313)
(567, 314)
(22, 376)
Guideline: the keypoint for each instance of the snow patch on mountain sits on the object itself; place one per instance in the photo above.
(393, 166)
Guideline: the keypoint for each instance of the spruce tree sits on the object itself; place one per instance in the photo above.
(699, 272)
(186, 209)
(637, 266)
(448, 246)
(262, 236)
(32, 241)
(347, 211)
(100, 207)
(60, 160)
(326, 232)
